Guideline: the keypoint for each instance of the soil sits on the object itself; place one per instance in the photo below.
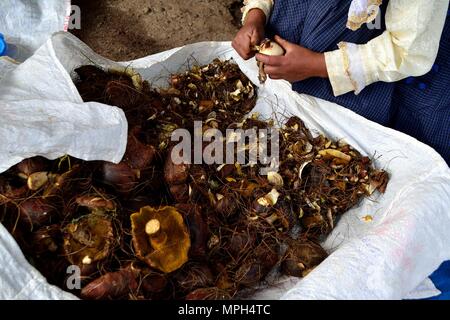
(129, 29)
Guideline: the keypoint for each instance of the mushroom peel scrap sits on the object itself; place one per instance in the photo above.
(160, 238)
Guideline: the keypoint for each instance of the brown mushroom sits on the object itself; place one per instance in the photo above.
(45, 240)
(193, 276)
(96, 203)
(8, 192)
(301, 257)
(160, 238)
(180, 192)
(175, 173)
(121, 176)
(36, 212)
(198, 228)
(29, 166)
(89, 239)
(138, 156)
(153, 281)
(112, 285)
(60, 182)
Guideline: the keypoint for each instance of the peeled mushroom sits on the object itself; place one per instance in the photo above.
(269, 48)
(37, 180)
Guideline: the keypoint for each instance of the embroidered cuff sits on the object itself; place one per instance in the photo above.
(353, 65)
(339, 79)
(264, 5)
(347, 70)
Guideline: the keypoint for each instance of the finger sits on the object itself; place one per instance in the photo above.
(247, 47)
(245, 54)
(270, 60)
(272, 71)
(273, 77)
(248, 56)
(255, 38)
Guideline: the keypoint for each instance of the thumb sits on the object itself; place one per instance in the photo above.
(255, 38)
(284, 43)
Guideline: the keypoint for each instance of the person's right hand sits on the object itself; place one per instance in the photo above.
(251, 34)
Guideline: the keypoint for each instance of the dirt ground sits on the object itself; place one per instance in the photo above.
(130, 29)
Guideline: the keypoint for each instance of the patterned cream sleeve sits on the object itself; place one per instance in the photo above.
(265, 5)
(408, 47)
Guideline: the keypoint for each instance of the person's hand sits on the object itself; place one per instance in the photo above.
(297, 64)
(251, 34)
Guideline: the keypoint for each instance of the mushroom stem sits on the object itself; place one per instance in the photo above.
(152, 227)
(272, 219)
(156, 235)
(262, 76)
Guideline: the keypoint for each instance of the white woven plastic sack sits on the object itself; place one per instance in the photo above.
(386, 258)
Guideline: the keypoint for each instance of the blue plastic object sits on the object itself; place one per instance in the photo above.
(441, 279)
(3, 45)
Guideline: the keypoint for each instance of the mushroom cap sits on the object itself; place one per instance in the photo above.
(89, 239)
(31, 165)
(96, 202)
(271, 48)
(301, 257)
(138, 156)
(169, 255)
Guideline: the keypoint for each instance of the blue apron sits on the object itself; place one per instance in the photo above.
(419, 107)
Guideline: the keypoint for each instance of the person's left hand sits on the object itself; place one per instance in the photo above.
(297, 64)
